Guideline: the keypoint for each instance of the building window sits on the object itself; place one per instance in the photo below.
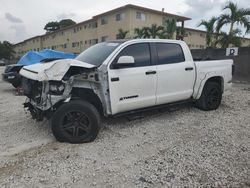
(104, 20)
(120, 16)
(94, 24)
(104, 38)
(65, 46)
(75, 44)
(140, 16)
(93, 41)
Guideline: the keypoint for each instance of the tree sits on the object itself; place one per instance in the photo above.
(66, 23)
(147, 33)
(237, 16)
(154, 31)
(180, 32)
(139, 33)
(224, 39)
(54, 26)
(6, 50)
(121, 34)
(142, 33)
(170, 28)
(210, 29)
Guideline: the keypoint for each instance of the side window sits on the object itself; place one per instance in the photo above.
(140, 52)
(169, 53)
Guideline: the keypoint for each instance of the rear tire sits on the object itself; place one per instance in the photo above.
(211, 97)
(76, 122)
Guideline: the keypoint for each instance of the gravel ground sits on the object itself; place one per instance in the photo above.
(176, 147)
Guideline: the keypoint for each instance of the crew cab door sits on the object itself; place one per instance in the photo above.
(176, 74)
(133, 87)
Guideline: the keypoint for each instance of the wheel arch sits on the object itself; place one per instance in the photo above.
(89, 96)
(214, 79)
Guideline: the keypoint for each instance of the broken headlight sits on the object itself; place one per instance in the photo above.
(56, 88)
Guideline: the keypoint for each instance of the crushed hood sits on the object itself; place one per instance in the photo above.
(54, 70)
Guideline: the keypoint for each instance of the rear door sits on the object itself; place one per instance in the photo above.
(176, 75)
(133, 87)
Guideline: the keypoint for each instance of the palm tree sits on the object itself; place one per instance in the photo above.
(170, 28)
(224, 39)
(154, 31)
(121, 34)
(237, 16)
(147, 33)
(210, 28)
(180, 32)
(139, 33)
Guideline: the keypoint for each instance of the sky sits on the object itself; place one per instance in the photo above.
(22, 19)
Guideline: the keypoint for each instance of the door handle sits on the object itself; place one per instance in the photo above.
(115, 79)
(150, 72)
(189, 69)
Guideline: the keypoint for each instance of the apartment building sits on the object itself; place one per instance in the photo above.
(196, 39)
(100, 28)
(105, 27)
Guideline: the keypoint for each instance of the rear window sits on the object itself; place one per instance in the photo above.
(169, 53)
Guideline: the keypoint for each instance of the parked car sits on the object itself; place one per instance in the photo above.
(117, 78)
(11, 73)
(2, 63)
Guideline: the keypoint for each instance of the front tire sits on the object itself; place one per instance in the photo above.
(76, 122)
(211, 97)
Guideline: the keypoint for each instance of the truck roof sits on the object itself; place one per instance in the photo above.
(146, 40)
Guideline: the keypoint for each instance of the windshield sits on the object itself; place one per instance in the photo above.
(97, 54)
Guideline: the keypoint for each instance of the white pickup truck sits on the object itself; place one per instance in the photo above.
(119, 77)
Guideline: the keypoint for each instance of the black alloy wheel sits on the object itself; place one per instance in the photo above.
(76, 122)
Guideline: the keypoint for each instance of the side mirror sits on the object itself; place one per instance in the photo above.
(124, 61)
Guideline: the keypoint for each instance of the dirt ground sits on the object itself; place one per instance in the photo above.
(175, 147)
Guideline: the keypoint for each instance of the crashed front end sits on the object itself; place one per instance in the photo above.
(42, 97)
(47, 86)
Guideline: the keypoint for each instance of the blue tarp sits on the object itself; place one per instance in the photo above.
(33, 57)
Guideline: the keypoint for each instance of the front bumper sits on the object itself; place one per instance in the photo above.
(35, 112)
